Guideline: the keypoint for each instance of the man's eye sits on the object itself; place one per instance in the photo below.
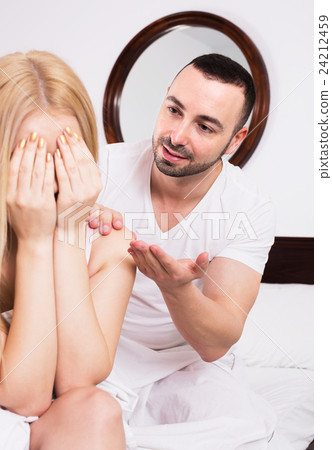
(172, 110)
(205, 128)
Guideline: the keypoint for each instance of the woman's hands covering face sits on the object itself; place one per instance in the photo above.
(30, 190)
(32, 208)
(77, 174)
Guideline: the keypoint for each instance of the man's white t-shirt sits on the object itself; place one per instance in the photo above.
(233, 220)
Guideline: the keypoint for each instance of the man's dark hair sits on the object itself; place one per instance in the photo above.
(220, 67)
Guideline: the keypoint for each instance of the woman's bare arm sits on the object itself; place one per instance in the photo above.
(85, 346)
(89, 333)
(28, 357)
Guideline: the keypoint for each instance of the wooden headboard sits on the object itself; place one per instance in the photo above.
(291, 260)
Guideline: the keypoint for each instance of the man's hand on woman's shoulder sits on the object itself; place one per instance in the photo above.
(105, 219)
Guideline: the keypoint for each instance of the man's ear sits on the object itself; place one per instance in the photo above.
(236, 140)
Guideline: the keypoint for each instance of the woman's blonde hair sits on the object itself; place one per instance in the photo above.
(33, 81)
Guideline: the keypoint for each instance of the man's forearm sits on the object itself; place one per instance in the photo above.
(208, 326)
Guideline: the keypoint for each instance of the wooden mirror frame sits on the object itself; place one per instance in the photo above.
(157, 29)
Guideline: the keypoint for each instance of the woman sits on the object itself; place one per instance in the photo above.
(67, 315)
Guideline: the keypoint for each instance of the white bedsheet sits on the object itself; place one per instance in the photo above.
(172, 400)
(290, 392)
(14, 431)
(277, 348)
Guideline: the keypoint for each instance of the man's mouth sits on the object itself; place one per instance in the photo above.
(171, 156)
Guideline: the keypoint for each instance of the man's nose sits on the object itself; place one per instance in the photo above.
(180, 134)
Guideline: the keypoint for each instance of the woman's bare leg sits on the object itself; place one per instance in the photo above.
(81, 419)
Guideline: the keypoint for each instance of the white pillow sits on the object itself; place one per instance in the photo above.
(279, 328)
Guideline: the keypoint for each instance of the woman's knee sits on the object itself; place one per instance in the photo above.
(98, 407)
(81, 410)
(104, 406)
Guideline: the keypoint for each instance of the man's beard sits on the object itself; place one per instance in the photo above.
(170, 169)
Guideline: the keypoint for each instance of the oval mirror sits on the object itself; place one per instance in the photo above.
(138, 81)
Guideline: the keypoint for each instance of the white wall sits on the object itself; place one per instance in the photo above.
(91, 36)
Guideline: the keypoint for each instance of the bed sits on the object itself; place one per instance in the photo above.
(277, 342)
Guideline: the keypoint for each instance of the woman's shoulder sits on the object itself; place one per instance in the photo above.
(111, 250)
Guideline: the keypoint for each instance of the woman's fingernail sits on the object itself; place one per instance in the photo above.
(41, 142)
(48, 157)
(77, 136)
(33, 137)
(118, 223)
(22, 143)
(57, 151)
(69, 131)
(63, 139)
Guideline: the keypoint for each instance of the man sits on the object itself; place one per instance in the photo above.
(203, 235)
